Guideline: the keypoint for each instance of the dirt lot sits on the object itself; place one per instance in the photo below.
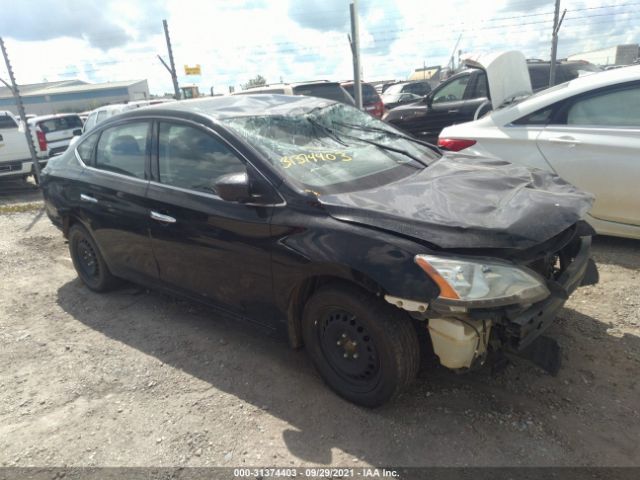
(137, 378)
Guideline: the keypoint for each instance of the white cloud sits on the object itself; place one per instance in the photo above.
(295, 41)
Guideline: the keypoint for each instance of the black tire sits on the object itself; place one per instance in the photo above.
(88, 261)
(366, 350)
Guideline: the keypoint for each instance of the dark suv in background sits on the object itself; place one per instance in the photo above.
(371, 101)
(457, 99)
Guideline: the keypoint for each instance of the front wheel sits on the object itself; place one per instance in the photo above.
(88, 261)
(366, 350)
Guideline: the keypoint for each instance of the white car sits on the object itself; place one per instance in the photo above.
(586, 130)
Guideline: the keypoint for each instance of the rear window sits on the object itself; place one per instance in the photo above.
(330, 91)
(539, 76)
(60, 123)
(7, 122)
(274, 91)
(571, 71)
(369, 94)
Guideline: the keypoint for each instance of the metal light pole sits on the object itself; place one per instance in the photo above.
(23, 117)
(172, 70)
(355, 50)
(554, 42)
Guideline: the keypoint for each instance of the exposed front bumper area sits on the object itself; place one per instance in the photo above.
(513, 329)
(524, 327)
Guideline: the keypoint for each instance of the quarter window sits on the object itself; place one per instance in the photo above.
(123, 149)
(193, 159)
(620, 108)
(453, 91)
(86, 148)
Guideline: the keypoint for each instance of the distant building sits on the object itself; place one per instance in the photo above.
(616, 55)
(431, 74)
(73, 95)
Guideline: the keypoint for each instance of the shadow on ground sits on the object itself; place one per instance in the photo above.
(507, 419)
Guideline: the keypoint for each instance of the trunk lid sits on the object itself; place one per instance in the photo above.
(507, 75)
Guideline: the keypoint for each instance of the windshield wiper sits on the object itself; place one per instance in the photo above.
(391, 132)
(330, 132)
(387, 147)
(335, 135)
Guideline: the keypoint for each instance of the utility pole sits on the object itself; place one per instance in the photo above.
(354, 40)
(554, 42)
(23, 117)
(172, 69)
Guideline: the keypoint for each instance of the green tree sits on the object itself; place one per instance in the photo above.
(258, 81)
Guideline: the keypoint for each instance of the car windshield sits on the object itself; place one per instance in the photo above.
(333, 148)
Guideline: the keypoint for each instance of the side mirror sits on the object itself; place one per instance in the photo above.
(233, 187)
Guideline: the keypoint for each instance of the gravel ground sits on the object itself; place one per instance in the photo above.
(136, 378)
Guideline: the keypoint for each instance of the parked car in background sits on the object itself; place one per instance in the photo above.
(107, 111)
(320, 88)
(465, 96)
(405, 92)
(565, 71)
(371, 101)
(587, 131)
(15, 157)
(311, 215)
(53, 133)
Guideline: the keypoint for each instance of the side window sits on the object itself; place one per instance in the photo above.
(541, 117)
(452, 91)
(193, 159)
(101, 116)
(482, 88)
(86, 148)
(620, 108)
(123, 149)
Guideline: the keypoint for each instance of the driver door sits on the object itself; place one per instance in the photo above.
(447, 106)
(205, 246)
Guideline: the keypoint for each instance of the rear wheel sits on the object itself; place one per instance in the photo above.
(365, 349)
(88, 261)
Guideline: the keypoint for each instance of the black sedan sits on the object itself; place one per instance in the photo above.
(310, 214)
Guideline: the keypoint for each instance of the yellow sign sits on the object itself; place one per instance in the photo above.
(192, 70)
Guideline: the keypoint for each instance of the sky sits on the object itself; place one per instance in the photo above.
(235, 40)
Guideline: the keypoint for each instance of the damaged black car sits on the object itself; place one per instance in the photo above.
(308, 215)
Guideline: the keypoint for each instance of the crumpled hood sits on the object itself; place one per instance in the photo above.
(468, 202)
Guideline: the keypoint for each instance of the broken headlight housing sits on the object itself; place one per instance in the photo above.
(482, 283)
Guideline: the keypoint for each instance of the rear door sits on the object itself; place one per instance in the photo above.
(207, 247)
(594, 143)
(112, 199)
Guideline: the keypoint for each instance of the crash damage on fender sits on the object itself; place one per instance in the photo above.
(485, 216)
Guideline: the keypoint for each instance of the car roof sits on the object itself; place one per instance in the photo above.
(232, 106)
(564, 90)
(41, 118)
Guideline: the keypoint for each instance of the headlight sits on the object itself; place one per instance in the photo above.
(482, 283)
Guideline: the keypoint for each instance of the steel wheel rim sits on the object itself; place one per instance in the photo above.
(87, 259)
(348, 347)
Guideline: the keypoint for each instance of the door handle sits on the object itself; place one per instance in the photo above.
(564, 139)
(88, 198)
(453, 111)
(162, 218)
